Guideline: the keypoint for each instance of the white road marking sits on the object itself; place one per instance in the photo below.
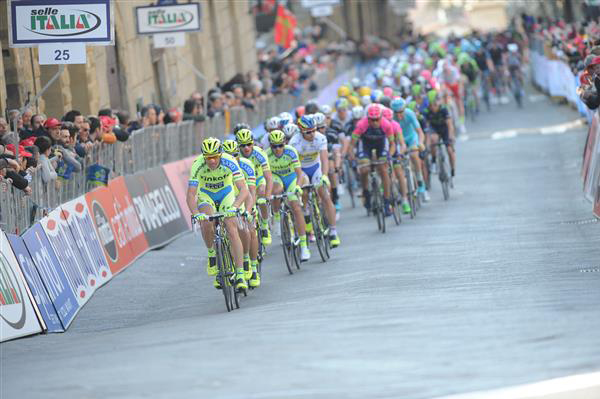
(553, 129)
(575, 386)
(504, 134)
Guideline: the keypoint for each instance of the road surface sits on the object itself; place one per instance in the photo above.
(496, 287)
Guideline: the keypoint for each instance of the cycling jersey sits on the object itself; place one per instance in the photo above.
(215, 187)
(409, 124)
(333, 139)
(370, 138)
(438, 122)
(284, 168)
(261, 163)
(248, 170)
(481, 59)
(342, 122)
(310, 155)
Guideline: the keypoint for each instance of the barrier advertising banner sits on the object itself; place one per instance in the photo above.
(17, 314)
(36, 285)
(78, 219)
(101, 204)
(126, 223)
(156, 206)
(178, 174)
(51, 273)
(81, 275)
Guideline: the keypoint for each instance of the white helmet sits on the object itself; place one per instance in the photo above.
(365, 100)
(290, 129)
(357, 112)
(512, 47)
(285, 118)
(319, 119)
(326, 110)
(272, 123)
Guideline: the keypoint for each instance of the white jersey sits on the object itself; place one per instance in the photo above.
(264, 142)
(309, 151)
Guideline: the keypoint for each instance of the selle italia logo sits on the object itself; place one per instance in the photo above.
(50, 21)
(163, 19)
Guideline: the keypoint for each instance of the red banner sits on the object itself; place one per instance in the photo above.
(285, 23)
(178, 174)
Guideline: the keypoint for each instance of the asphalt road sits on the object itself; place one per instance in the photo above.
(497, 286)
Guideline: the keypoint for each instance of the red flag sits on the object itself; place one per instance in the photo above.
(285, 23)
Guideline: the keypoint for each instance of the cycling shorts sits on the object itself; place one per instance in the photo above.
(366, 147)
(314, 174)
(220, 201)
(260, 181)
(445, 136)
(288, 183)
(412, 141)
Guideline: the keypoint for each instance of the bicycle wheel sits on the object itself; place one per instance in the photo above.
(349, 183)
(231, 267)
(286, 241)
(379, 210)
(325, 229)
(223, 276)
(315, 218)
(295, 242)
(411, 193)
(395, 204)
(443, 175)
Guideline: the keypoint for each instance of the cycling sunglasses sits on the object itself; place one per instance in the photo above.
(277, 145)
(309, 131)
(246, 145)
(375, 119)
(218, 156)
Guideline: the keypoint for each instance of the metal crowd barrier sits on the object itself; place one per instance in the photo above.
(146, 148)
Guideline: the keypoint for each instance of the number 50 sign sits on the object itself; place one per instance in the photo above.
(60, 28)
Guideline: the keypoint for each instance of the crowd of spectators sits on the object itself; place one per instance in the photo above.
(57, 147)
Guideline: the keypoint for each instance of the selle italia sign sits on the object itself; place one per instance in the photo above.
(60, 21)
(168, 18)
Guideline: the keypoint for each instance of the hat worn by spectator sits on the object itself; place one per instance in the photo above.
(22, 151)
(51, 122)
(108, 121)
(28, 142)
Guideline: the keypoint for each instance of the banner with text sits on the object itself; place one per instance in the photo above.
(18, 317)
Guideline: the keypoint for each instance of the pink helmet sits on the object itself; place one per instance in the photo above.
(374, 111)
(388, 113)
(426, 74)
(388, 92)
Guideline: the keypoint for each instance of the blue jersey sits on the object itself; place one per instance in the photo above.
(409, 124)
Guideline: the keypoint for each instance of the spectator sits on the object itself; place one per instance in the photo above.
(47, 164)
(95, 129)
(6, 137)
(192, 111)
(216, 105)
(17, 174)
(107, 134)
(52, 126)
(74, 117)
(149, 116)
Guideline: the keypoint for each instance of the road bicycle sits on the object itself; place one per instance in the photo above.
(414, 199)
(319, 223)
(377, 203)
(395, 196)
(350, 179)
(443, 168)
(290, 240)
(225, 265)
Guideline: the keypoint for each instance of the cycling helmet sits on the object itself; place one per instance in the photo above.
(240, 126)
(285, 118)
(244, 136)
(416, 90)
(357, 112)
(387, 113)
(231, 147)
(376, 95)
(432, 96)
(341, 103)
(276, 137)
(272, 123)
(388, 91)
(290, 130)
(364, 91)
(343, 91)
(398, 105)
(374, 111)
(326, 110)
(211, 146)
(311, 107)
(512, 47)
(355, 82)
(306, 122)
(299, 111)
(365, 100)
(319, 119)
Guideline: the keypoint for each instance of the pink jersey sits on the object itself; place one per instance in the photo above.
(386, 126)
(396, 126)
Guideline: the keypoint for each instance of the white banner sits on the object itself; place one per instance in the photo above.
(48, 21)
(168, 19)
(17, 314)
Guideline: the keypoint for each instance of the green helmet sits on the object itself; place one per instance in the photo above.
(244, 136)
(231, 147)
(211, 146)
(412, 105)
(276, 137)
(428, 62)
(432, 96)
(416, 90)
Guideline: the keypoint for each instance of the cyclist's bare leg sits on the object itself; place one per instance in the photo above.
(207, 227)
(245, 237)
(253, 241)
(416, 162)
(277, 189)
(323, 192)
(260, 193)
(237, 250)
(382, 169)
(451, 156)
(399, 172)
(298, 217)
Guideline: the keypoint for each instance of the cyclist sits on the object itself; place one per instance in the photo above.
(264, 179)
(513, 61)
(285, 166)
(373, 132)
(248, 232)
(334, 147)
(214, 176)
(440, 122)
(469, 68)
(270, 125)
(449, 76)
(314, 159)
(414, 139)
(290, 130)
(485, 65)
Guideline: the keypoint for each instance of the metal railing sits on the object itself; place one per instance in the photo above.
(146, 148)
